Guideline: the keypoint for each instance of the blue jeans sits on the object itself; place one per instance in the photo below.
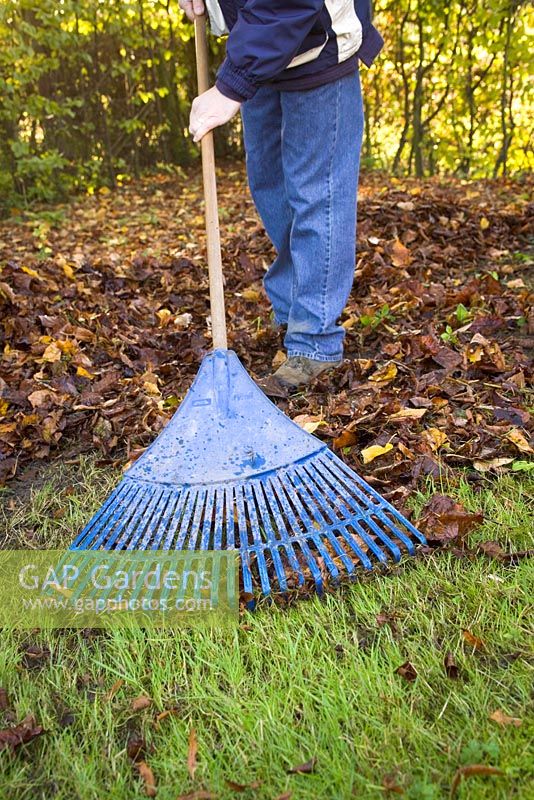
(303, 153)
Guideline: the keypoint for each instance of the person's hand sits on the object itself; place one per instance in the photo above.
(209, 110)
(192, 8)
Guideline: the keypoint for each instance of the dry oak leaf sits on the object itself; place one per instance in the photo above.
(400, 255)
(308, 423)
(407, 413)
(25, 731)
(503, 719)
(148, 778)
(444, 520)
(469, 771)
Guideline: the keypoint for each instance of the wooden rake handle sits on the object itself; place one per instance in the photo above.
(218, 321)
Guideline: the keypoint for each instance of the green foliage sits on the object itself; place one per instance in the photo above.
(93, 93)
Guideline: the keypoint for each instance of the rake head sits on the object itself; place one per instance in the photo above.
(231, 471)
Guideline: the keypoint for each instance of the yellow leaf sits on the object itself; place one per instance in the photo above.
(32, 272)
(67, 269)
(4, 405)
(386, 373)
(516, 437)
(52, 353)
(408, 413)
(437, 438)
(376, 450)
(163, 315)
(308, 423)
(68, 347)
(484, 223)
(83, 373)
(250, 294)
(474, 353)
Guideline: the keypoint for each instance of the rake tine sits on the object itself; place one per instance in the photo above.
(340, 525)
(315, 501)
(122, 524)
(195, 526)
(185, 520)
(313, 527)
(271, 537)
(298, 537)
(150, 519)
(230, 521)
(90, 532)
(382, 502)
(166, 516)
(155, 521)
(282, 529)
(208, 520)
(169, 526)
(219, 519)
(256, 533)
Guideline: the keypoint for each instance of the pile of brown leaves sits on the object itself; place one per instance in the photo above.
(103, 307)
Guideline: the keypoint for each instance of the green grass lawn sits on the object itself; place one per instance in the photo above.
(317, 680)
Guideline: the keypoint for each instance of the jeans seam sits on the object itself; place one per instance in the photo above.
(329, 213)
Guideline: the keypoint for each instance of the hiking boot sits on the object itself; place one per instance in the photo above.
(300, 370)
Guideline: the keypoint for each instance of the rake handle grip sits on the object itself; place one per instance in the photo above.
(215, 270)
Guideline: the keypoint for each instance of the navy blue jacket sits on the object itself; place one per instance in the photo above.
(291, 44)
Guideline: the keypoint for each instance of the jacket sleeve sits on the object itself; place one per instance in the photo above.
(263, 41)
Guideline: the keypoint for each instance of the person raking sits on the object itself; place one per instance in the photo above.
(292, 69)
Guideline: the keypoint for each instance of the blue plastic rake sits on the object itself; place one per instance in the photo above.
(231, 471)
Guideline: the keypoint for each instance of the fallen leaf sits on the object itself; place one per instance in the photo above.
(470, 771)
(516, 437)
(199, 794)
(136, 747)
(474, 641)
(167, 713)
(436, 438)
(390, 784)
(279, 358)
(284, 796)
(444, 520)
(24, 732)
(147, 776)
(376, 450)
(492, 549)
(4, 704)
(451, 668)
(114, 689)
(400, 255)
(306, 768)
(503, 719)
(407, 671)
(385, 373)
(52, 353)
(242, 787)
(308, 423)
(345, 439)
(83, 373)
(493, 463)
(192, 754)
(484, 223)
(407, 413)
(140, 703)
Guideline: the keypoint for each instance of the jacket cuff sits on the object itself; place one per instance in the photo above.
(233, 83)
(371, 46)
